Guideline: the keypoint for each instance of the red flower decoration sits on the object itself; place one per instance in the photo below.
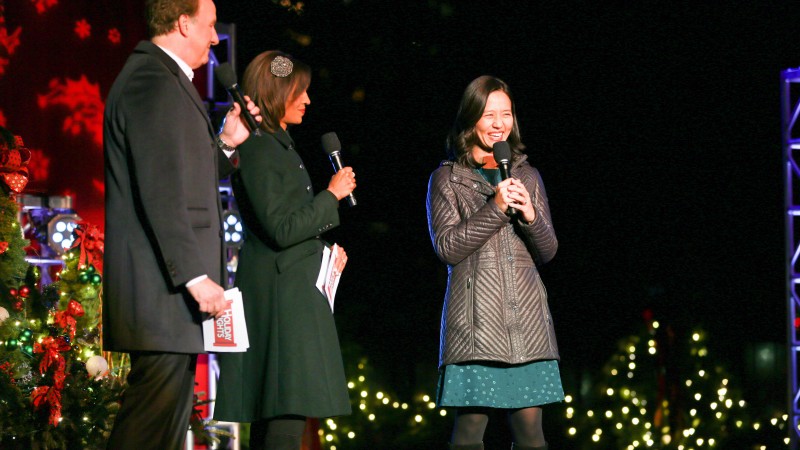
(66, 319)
(92, 244)
(51, 348)
(44, 395)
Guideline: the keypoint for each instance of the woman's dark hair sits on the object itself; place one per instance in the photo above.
(271, 93)
(462, 137)
(161, 15)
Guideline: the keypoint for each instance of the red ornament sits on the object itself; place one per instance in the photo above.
(13, 292)
(24, 291)
(3, 247)
(13, 166)
(18, 306)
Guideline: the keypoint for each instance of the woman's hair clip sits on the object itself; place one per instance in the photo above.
(281, 66)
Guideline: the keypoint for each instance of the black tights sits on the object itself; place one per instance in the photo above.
(526, 426)
(277, 433)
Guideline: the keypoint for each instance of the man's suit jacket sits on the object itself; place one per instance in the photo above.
(162, 206)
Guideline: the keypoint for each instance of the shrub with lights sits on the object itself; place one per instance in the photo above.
(380, 419)
(661, 390)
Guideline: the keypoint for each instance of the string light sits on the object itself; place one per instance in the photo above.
(633, 421)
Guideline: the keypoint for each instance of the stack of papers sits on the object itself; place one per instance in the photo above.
(330, 271)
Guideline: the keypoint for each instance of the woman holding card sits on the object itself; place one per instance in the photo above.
(497, 347)
(293, 368)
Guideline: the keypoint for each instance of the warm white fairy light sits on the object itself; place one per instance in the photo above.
(351, 385)
(379, 395)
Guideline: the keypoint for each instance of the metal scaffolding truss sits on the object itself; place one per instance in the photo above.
(790, 111)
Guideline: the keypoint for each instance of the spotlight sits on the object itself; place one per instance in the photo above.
(59, 232)
(234, 232)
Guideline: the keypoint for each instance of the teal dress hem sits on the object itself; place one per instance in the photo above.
(499, 386)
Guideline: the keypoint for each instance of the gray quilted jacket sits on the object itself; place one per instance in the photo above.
(495, 306)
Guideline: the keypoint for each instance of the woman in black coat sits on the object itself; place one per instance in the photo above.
(293, 368)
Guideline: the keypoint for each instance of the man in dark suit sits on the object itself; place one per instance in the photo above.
(163, 252)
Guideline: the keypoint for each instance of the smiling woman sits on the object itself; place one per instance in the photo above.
(496, 327)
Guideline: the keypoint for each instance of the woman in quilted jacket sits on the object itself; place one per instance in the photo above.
(497, 344)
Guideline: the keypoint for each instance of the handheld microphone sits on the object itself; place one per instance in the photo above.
(332, 146)
(227, 78)
(502, 154)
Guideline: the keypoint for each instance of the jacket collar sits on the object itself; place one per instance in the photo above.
(283, 137)
(151, 49)
(464, 175)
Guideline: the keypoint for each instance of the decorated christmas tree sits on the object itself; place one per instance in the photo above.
(56, 388)
(662, 390)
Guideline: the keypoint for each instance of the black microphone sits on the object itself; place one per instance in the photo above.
(227, 78)
(332, 146)
(502, 154)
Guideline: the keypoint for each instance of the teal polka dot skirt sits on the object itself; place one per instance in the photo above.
(500, 386)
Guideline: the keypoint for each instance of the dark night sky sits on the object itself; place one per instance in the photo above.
(656, 127)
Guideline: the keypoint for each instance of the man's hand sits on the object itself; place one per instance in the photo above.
(234, 128)
(210, 296)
